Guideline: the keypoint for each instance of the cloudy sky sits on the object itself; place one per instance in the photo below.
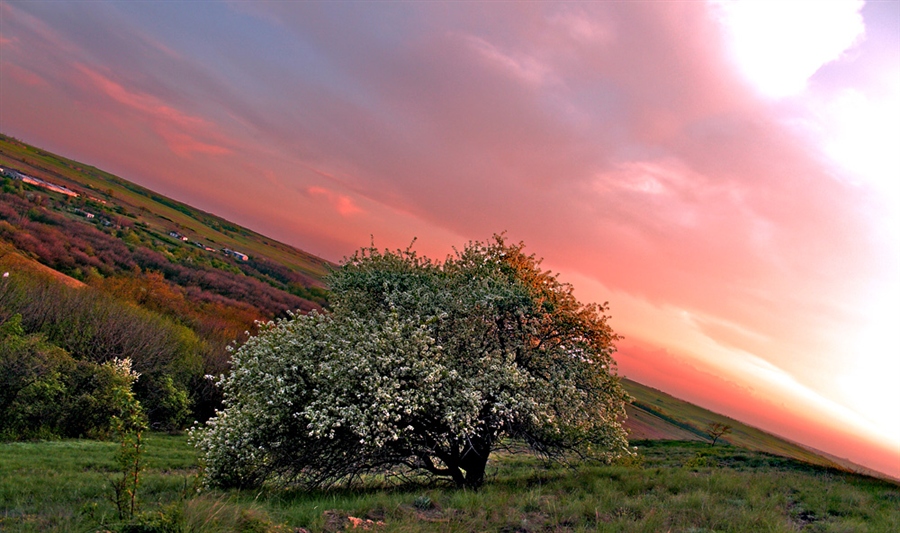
(725, 174)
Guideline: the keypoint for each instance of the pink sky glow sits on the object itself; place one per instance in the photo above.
(724, 173)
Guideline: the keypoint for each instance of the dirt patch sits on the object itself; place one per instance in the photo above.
(337, 521)
(12, 261)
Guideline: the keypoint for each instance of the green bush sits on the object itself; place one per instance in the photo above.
(54, 330)
(422, 368)
(46, 393)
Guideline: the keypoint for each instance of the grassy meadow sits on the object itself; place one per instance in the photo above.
(675, 486)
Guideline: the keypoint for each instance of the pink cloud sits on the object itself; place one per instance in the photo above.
(341, 203)
(183, 133)
(23, 75)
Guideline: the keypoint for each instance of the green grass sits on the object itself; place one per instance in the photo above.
(61, 485)
(675, 486)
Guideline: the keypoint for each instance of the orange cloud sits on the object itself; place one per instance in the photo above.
(341, 203)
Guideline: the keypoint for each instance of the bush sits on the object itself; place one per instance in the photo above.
(422, 367)
(93, 328)
(45, 393)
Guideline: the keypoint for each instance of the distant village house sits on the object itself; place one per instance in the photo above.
(239, 255)
(25, 178)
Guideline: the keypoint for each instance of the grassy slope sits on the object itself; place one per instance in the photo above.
(677, 487)
(159, 213)
(657, 415)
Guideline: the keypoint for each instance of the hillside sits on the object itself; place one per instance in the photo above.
(80, 226)
(121, 200)
(88, 256)
(655, 415)
(11, 260)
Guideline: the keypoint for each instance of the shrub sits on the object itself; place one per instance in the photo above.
(422, 367)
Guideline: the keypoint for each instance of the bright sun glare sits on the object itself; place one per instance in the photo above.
(779, 45)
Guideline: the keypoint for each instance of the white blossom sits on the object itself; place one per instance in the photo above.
(417, 359)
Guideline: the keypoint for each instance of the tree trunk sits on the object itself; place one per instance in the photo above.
(475, 473)
(474, 462)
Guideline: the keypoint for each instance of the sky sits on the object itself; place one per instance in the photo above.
(725, 174)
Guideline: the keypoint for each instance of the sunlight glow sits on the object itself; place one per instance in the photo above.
(861, 133)
(869, 384)
(779, 45)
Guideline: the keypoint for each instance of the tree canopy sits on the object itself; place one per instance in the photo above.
(422, 367)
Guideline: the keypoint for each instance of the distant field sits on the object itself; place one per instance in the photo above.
(673, 486)
(643, 425)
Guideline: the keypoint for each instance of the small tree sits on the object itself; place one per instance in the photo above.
(128, 426)
(716, 430)
(422, 367)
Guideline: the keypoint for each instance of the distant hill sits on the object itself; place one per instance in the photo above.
(655, 415)
(93, 226)
(118, 199)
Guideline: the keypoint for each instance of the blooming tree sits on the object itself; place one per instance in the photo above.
(422, 367)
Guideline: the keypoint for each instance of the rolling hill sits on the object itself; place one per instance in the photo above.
(81, 226)
(152, 212)
(655, 415)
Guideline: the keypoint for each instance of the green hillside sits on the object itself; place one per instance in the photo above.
(655, 415)
(151, 211)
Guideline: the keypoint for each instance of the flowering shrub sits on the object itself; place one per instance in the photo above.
(421, 366)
